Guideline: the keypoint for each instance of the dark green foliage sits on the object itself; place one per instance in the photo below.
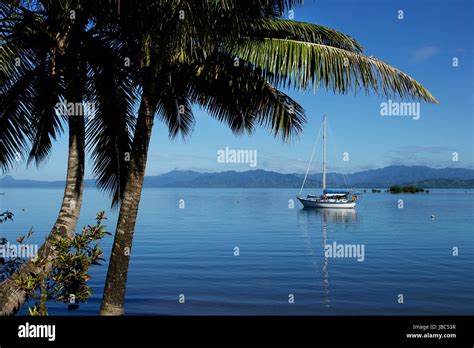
(405, 189)
(6, 216)
(8, 266)
(42, 46)
(67, 280)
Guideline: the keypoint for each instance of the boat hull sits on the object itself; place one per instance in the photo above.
(312, 203)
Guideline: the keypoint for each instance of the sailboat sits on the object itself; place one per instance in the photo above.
(334, 199)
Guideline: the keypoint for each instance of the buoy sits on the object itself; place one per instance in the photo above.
(432, 216)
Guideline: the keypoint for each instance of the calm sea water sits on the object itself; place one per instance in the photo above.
(190, 251)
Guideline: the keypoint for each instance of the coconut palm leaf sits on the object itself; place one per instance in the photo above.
(15, 105)
(46, 123)
(303, 65)
(18, 75)
(109, 129)
(29, 68)
(174, 106)
(301, 31)
(242, 98)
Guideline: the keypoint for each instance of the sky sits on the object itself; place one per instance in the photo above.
(423, 44)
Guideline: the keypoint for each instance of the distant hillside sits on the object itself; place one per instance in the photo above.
(394, 175)
(9, 181)
(171, 179)
(444, 183)
(420, 176)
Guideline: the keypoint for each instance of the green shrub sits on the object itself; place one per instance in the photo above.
(67, 280)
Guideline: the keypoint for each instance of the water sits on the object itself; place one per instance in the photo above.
(190, 251)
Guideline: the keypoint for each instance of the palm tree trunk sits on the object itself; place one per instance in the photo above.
(114, 292)
(12, 297)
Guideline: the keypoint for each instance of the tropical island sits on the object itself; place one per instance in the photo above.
(406, 189)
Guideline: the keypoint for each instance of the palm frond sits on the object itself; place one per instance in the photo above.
(301, 31)
(303, 65)
(109, 129)
(16, 96)
(240, 97)
(172, 95)
(177, 114)
(14, 123)
(46, 124)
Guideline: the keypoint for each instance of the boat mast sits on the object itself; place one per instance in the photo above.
(324, 152)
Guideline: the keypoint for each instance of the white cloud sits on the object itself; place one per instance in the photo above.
(425, 53)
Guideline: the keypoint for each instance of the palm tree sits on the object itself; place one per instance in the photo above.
(185, 53)
(62, 60)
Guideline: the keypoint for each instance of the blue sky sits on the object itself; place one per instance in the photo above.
(422, 44)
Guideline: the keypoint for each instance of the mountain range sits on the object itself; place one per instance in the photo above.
(421, 176)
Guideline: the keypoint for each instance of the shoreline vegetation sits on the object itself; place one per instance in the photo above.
(406, 189)
(66, 279)
(401, 189)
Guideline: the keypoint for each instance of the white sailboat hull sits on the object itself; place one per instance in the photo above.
(317, 203)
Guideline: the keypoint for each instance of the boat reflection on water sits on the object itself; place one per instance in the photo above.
(329, 215)
(325, 216)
